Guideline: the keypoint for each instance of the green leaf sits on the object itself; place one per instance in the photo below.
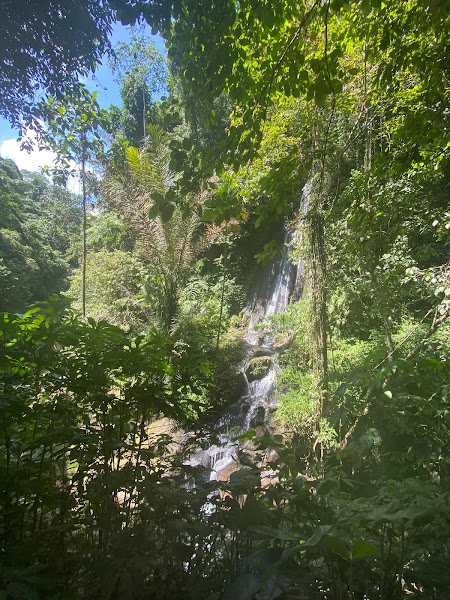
(210, 214)
(248, 435)
(154, 211)
(321, 90)
(187, 143)
(327, 485)
(167, 212)
(245, 479)
(362, 549)
(279, 534)
(337, 545)
(157, 197)
(341, 390)
(319, 533)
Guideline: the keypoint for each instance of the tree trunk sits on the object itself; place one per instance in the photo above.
(318, 269)
(83, 264)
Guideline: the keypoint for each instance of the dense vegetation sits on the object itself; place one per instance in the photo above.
(123, 327)
(39, 222)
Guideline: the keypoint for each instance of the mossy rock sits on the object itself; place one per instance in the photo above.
(283, 341)
(258, 368)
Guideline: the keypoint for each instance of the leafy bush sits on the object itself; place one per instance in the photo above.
(298, 405)
(113, 289)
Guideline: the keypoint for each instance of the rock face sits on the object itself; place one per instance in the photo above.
(258, 368)
(160, 428)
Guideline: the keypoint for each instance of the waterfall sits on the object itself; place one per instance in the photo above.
(272, 289)
(271, 295)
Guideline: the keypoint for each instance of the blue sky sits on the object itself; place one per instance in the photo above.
(108, 93)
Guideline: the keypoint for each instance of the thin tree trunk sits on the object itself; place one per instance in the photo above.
(143, 114)
(83, 265)
(318, 264)
(387, 320)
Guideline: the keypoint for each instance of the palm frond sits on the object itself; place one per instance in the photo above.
(169, 248)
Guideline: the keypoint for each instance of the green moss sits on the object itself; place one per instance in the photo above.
(258, 368)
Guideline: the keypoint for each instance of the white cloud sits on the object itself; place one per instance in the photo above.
(32, 161)
(36, 159)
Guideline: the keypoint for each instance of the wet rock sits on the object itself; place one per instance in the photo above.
(262, 351)
(273, 428)
(241, 384)
(271, 455)
(258, 368)
(224, 473)
(259, 418)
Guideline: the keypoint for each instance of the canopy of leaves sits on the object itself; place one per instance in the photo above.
(48, 46)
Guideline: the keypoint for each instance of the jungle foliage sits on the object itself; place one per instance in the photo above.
(326, 115)
(39, 222)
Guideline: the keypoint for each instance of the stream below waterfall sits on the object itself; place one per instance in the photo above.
(274, 288)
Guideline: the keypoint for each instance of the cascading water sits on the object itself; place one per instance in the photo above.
(271, 295)
(272, 291)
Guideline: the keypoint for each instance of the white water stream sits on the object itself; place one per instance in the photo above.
(271, 295)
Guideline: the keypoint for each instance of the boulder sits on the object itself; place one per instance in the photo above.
(258, 368)
(284, 342)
